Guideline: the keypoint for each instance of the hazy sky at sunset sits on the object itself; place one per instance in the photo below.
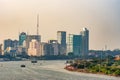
(101, 17)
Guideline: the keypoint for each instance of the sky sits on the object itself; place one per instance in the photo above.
(101, 17)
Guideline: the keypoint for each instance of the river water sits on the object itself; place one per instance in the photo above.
(44, 70)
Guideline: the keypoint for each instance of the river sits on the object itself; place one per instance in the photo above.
(44, 70)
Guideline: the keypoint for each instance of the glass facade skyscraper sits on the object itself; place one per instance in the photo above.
(77, 45)
(61, 37)
(22, 38)
(85, 42)
(8, 43)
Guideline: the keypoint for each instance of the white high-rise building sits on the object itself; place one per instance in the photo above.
(29, 38)
(85, 42)
(34, 48)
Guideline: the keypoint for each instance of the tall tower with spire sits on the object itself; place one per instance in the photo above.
(34, 40)
(38, 36)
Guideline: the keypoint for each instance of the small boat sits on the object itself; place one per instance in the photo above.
(22, 65)
(34, 61)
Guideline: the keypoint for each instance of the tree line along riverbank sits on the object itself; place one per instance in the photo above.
(95, 66)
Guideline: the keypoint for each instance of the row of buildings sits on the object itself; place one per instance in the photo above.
(32, 45)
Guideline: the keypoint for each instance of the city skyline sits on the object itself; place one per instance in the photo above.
(99, 16)
(32, 45)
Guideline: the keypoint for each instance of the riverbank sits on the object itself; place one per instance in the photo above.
(72, 69)
(59, 67)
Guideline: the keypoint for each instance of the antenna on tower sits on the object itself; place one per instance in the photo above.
(37, 24)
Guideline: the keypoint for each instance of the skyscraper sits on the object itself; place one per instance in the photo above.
(22, 38)
(15, 43)
(70, 43)
(61, 37)
(34, 49)
(8, 43)
(55, 46)
(43, 48)
(77, 45)
(85, 42)
(30, 37)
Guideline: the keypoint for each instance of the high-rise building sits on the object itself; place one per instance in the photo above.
(50, 49)
(29, 39)
(77, 45)
(85, 41)
(55, 46)
(8, 43)
(43, 48)
(34, 49)
(22, 38)
(70, 43)
(15, 43)
(10, 46)
(61, 37)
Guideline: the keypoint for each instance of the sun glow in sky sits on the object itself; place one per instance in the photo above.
(101, 17)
